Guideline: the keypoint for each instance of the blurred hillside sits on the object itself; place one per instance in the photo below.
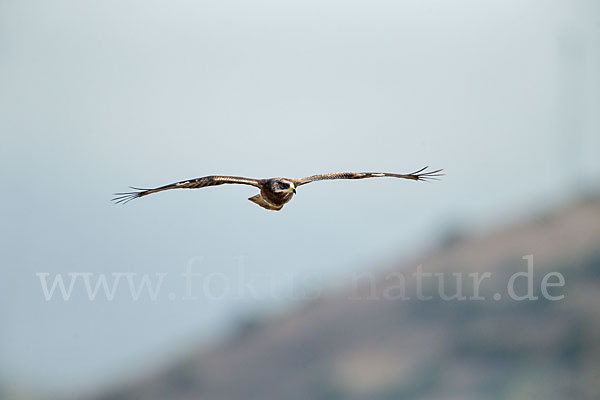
(360, 343)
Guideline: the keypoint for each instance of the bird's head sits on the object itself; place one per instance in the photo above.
(283, 186)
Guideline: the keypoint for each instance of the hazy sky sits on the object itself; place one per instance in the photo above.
(99, 95)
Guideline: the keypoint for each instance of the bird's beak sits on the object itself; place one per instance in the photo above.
(294, 190)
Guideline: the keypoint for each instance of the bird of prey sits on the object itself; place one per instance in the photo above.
(274, 192)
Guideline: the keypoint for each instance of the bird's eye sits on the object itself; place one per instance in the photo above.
(283, 185)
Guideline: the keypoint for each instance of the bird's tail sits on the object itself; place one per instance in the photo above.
(258, 199)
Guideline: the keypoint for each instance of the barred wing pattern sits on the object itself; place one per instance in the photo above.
(420, 175)
(188, 184)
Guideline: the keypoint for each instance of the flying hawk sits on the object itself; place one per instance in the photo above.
(274, 192)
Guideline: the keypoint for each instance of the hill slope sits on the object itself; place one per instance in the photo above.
(367, 342)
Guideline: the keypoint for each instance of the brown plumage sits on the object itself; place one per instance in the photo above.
(274, 192)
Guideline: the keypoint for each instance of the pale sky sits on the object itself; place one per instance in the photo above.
(96, 96)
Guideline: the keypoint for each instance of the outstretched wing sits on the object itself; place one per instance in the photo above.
(189, 184)
(420, 175)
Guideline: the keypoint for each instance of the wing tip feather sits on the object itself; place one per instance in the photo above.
(424, 175)
(126, 197)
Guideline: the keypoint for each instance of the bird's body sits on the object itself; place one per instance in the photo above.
(274, 192)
